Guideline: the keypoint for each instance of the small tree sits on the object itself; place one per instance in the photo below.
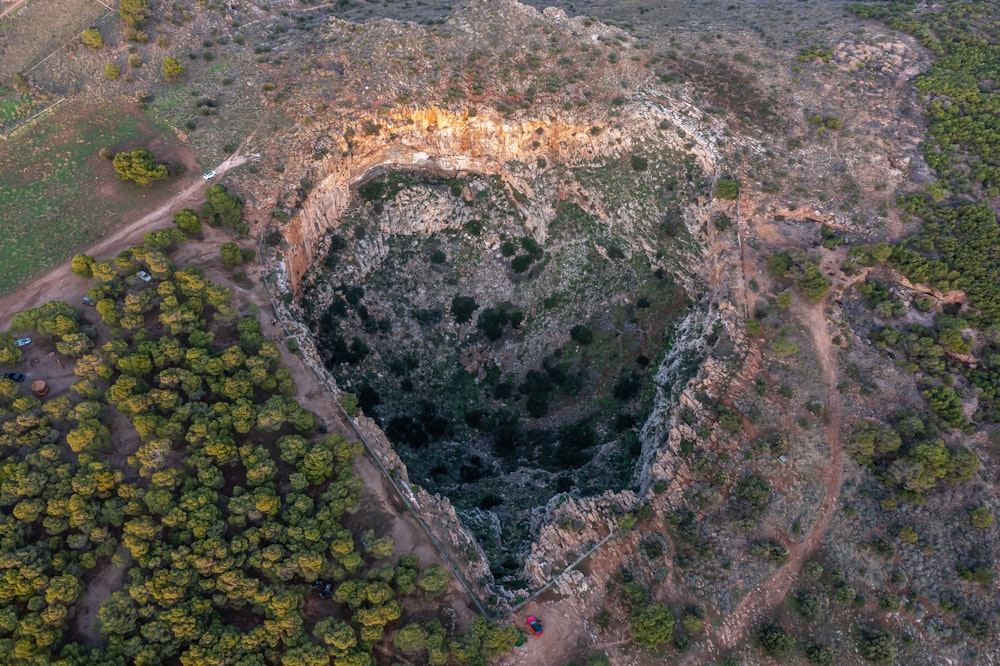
(411, 639)
(187, 220)
(775, 641)
(813, 284)
(462, 308)
(349, 402)
(581, 334)
(138, 166)
(91, 38)
(820, 655)
(877, 645)
(83, 266)
(172, 68)
(221, 208)
(651, 626)
(112, 72)
(133, 12)
(433, 580)
(21, 83)
(231, 255)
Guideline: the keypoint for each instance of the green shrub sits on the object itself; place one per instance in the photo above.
(581, 334)
(91, 38)
(775, 641)
(651, 626)
(981, 517)
(727, 189)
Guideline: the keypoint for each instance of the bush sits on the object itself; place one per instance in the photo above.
(783, 346)
(581, 334)
(775, 641)
(639, 163)
(91, 38)
(651, 626)
(981, 517)
(727, 189)
(597, 659)
(172, 68)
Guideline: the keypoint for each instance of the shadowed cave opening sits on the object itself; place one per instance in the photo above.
(506, 365)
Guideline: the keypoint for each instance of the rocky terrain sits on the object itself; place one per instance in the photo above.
(600, 285)
(462, 169)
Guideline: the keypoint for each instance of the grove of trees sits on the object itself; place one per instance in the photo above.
(222, 514)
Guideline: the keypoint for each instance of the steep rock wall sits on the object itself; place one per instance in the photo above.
(454, 143)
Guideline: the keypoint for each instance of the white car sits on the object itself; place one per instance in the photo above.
(209, 175)
(146, 277)
(22, 342)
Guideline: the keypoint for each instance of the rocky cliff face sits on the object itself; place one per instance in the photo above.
(454, 143)
(532, 152)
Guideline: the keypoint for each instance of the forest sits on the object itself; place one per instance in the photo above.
(234, 501)
(958, 246)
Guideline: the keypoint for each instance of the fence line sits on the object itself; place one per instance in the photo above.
(24, 123)
(565, 571)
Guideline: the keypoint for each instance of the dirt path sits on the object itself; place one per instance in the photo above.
(756, 606)
(101, 585)
(58, 283)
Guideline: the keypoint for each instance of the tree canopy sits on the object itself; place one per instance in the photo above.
(138, 166)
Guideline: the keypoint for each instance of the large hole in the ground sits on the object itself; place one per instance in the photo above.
(506, 365)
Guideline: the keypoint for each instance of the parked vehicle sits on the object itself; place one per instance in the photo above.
(325, 588)
(534, 625)
(16, 376)
(23, 342)
(146, 277)
(209, 175)
(87, 300)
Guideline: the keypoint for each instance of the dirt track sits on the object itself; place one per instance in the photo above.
(59, 284)
(757, 605)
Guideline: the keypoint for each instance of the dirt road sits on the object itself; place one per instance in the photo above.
(756, 606)
(59, 284)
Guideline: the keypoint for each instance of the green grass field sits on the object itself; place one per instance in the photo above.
(58, 195)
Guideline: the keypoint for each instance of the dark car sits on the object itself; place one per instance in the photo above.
(16, 376)
(325, 588)
(534, 625)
